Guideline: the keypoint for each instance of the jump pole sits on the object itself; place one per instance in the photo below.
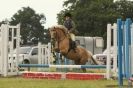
(61, 66)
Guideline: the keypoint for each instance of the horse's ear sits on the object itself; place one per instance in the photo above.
(48, 28)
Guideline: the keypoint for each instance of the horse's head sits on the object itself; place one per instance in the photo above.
(57, 32)
(52, 32)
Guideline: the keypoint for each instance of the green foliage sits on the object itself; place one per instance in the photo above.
(125, 9)
(92, 16)
(31, 28)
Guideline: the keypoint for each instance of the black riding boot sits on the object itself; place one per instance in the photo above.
(74, 45)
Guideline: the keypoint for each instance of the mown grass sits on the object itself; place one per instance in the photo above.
(18, 82)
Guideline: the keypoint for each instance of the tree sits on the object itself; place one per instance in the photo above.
(31, 28)
(92, 16)
(125, 9)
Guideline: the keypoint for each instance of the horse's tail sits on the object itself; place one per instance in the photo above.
(94, 61)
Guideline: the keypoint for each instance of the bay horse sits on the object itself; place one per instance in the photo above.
(80, 55)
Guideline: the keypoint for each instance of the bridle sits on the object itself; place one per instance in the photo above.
(58, 38)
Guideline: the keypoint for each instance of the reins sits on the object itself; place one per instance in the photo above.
(59, 40)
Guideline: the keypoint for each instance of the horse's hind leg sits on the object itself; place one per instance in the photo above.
(84, 70)
(83, 62)
(77, 62)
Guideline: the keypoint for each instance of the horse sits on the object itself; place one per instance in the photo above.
(62, 44)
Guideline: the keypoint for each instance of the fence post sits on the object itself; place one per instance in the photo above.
(108, 66)
(120, 71)
(4, 53)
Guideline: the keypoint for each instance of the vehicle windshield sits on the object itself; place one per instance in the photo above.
(105, 51)
(23, 50)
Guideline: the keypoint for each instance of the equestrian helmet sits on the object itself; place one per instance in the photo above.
(68, 15)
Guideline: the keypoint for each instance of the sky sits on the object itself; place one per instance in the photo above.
(49, 8)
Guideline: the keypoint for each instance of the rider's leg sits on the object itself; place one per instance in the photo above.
(72, 36)
(73, 40)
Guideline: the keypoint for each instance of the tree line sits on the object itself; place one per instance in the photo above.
(90, 16)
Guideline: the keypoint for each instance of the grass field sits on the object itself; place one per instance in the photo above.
(18, 82)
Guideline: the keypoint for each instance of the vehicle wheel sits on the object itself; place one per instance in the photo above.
(26, 62)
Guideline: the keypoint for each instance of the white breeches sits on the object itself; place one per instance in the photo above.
(72, 36)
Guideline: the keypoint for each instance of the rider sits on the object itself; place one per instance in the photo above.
(70, 25)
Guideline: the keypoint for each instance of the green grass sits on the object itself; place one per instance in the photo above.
(18, 82)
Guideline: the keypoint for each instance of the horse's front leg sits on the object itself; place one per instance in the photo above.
(63, 51)
(84, 70)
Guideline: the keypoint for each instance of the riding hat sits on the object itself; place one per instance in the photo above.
(68, 15)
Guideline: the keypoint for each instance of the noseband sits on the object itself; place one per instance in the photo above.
(58, 38)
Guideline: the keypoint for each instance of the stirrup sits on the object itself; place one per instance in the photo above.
(74, 44)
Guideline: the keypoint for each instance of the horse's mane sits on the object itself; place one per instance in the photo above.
(63, 28)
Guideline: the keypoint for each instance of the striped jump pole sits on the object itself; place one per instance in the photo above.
(62, 75)
(124, 50)
(61, 66)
